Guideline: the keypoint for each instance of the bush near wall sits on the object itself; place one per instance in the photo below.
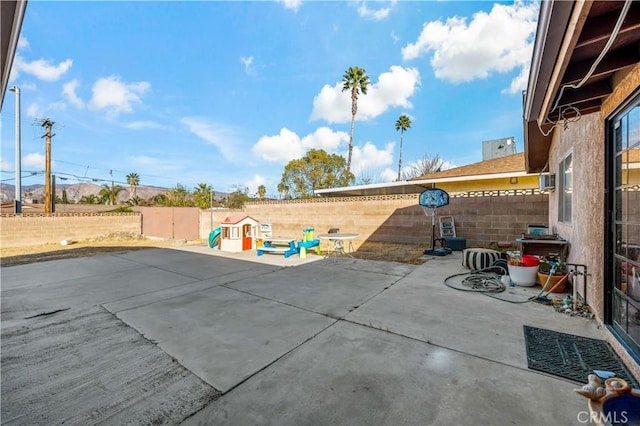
(481, 217)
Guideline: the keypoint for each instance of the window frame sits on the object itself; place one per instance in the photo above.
(565, 188)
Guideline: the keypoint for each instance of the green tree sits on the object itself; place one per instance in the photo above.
(179, 196)
(402, 124)
(159, 200)
(316, 170)
(109, 194)
(133, 179)
(137, 201)
(203, 195)
(356, 80)
(280, 189)
(238, 197)
(65, 200)
(89, 199)
(262, 192)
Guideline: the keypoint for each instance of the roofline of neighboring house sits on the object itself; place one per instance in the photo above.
(408, 187)
(559, 24)
(12, 14)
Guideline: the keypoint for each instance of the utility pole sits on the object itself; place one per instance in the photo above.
(18, 196)
(47, 124)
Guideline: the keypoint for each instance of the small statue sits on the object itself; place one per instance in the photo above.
(592, 390)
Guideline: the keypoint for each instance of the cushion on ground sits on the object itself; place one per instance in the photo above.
(479, 258)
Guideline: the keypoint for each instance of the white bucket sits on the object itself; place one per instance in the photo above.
(523, 276)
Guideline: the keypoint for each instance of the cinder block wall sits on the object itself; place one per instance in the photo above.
(497, 216)
(29, 230)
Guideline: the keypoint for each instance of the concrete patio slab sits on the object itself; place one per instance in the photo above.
(358, 375)
(86, 291)
(222, 335)
(84, 366)
(329, 288)
(408, 351)
(422, 307)
(37, 274)
(227, 278)
(196, 265)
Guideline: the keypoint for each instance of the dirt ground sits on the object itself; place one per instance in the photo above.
(119, 243)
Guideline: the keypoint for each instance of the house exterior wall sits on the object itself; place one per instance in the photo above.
(520, 182)
(586, 140)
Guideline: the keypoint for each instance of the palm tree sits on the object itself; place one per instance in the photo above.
(356, 80)
(109, 194)
(133, 179)
(89, 199)
(280, 189)
(262, 192)
(203, 195)
(402, 124)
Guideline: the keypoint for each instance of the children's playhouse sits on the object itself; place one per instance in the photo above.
(238, 233)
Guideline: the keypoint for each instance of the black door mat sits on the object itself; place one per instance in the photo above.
(570, 356)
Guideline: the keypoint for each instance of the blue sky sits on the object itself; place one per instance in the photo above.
(227, 93)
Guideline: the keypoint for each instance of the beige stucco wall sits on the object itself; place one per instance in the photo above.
(586, 139)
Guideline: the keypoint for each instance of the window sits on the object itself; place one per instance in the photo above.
(565, 188)
(623, 200)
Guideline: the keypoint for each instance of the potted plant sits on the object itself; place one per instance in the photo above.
(545, 268)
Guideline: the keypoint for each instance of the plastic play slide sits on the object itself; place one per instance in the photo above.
(214, 237)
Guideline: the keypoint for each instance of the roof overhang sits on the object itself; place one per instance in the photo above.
(11, 16)
(571, 38)
(406, 187)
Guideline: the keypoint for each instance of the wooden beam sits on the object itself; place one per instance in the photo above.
(585, 93)
(598, 28)
(614, 61)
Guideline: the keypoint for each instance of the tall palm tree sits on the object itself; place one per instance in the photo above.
(356, 80)
(262, 192)
(402, 124)
(109, 194)
(133, 179)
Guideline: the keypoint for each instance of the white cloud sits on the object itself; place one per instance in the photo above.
(375, 14)
(389, 175)
(519, 83)
(23, 43)
(140, 125)
(394, 37)
(111, 94)
(154, 165)
(291, 4)
(287, 145)
(369, 157)
(35, 160)
(221, 136)
(5, 165)
(40, 68)
(499, 41)
(33, 110)
(249, 69)
(254, 183)
(69, 91)
(393, 89)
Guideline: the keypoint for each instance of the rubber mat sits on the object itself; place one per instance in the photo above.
(570, 356)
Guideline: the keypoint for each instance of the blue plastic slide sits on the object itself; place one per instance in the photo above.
(214, 236)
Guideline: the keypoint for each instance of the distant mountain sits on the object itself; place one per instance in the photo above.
(78, 190)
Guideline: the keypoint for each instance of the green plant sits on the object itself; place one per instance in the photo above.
(545, 265)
